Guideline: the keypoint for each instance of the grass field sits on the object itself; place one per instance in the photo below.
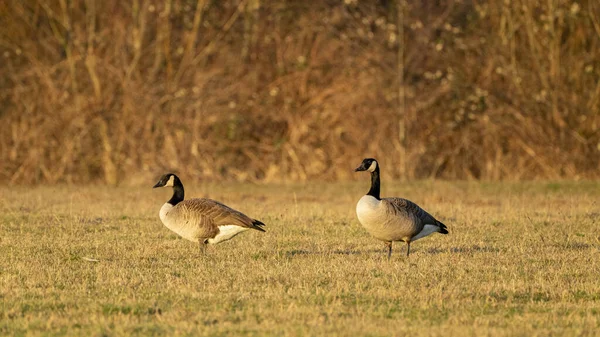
(521, 259)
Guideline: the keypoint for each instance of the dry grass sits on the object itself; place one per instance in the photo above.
(520, 260)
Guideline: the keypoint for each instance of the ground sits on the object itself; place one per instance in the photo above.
(521, 259)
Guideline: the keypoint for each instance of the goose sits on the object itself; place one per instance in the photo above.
(393, 219)
(201, 220)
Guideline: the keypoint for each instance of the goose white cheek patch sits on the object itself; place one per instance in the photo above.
(372, 167)
(170, 182)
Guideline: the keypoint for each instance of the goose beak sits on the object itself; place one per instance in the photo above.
(157, 185)
(360, 168)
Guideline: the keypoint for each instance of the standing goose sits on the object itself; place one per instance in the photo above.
(393, 219)
(201, 220)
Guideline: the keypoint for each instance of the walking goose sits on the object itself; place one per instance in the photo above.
(393, 219)
(201, 220)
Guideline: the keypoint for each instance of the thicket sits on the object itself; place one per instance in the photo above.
(119, 91)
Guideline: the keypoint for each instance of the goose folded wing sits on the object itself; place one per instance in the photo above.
(405, 207)
(219, 213)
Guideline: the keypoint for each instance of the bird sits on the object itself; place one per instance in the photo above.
(393, 219)
(201, 220)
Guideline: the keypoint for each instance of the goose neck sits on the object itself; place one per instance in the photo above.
(178, 192)
(375, 184)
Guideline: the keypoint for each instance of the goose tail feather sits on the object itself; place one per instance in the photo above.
(258, 225)
(443, 228)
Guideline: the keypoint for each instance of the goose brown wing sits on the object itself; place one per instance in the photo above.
(407, 208)
(216, 213)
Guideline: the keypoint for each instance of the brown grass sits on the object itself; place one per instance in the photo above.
(251, 90)
(520, 260)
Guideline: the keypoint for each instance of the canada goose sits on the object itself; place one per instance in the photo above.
(393, 219)
(201, 220)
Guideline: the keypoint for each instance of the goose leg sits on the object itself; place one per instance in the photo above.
(202, 246)
(389, 247)
(407, 248)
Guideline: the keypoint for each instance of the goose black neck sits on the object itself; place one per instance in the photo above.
(178, 192)
(375, 188)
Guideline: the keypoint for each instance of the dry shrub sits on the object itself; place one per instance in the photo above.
(117, 91)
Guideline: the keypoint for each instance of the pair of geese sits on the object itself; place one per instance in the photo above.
(208, 221)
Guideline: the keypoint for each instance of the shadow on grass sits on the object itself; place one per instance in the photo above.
(574, 246)
(471, 249)
(432, 251)
(301, 252)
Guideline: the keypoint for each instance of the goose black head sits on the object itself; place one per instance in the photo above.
(167, 180)
(368, 164)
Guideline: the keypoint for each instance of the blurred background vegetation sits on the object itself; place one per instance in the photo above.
(118, 91)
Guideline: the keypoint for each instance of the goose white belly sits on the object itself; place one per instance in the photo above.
(226, 233)
(187, 232)
(427, 229)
